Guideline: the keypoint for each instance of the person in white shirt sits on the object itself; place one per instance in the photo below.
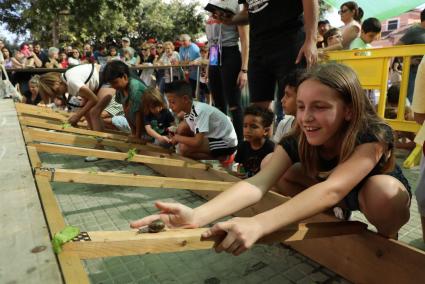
(82, 81)
(205, 132)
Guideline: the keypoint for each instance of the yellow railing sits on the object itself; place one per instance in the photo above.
(372, 67)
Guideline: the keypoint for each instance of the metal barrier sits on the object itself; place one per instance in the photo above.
(372, 67)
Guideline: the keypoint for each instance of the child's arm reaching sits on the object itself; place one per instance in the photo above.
(195, 141)
(242, 233)
(156, 135)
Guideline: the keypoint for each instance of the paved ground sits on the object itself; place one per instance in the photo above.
(25, 252)
(94, 207)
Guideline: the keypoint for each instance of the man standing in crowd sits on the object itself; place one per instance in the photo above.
(188, 52)
(125, 42)
(38, 51)
(281, 34)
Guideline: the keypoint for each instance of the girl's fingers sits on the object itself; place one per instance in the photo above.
(233, 247)
(239, 250)
(144, 221)
(166, 207)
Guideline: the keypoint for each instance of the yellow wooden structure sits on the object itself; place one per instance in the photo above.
(372, 67)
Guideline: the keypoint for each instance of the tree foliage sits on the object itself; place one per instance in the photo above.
(323, 8)
(70, 21)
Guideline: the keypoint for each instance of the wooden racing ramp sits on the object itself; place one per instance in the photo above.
(347, 248)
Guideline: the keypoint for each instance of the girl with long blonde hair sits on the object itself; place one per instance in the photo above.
(340, 154)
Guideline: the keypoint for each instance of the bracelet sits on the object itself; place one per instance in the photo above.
(244, 70)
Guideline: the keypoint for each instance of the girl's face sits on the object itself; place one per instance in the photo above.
(321, 114)
(59, 89)
(289, 100)
(63, 56)
(155, 109)
(113, 52)
(335, 39)
(33, 89)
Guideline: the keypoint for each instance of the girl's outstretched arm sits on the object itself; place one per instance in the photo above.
(242, 233)
(326, 194)
(237, 197)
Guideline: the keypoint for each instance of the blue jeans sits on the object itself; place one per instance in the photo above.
(411, 85)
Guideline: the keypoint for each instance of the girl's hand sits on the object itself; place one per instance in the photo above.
(73, 120)
(242, 79)
(174, 215)
(164, 139)
(174, 139)
(234, 236)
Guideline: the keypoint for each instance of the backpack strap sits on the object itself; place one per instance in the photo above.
(87, 80)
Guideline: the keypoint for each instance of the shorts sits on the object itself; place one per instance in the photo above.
(352, 199)
(121, 123)
(219, 148)
(268, 68)
(114, 108)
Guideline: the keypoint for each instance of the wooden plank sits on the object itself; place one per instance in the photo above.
(40, 112)
(77, 176)
(121, 243)
(33, 156)
(365, 258)
(34, 122)
(89, 141)
(72, 269)
(77, 151)
(21, 107)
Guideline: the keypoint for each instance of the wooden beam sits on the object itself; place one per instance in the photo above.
(21, 107)
(40, 112)
(33, 156)
(77, 176)
(121, 243)
(72, 269)
(35, 122)
(90, 141)
(84, 152)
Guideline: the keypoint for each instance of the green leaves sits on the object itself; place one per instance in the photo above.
(131, 153)
(64, 236)
(87, 20)
(65, 125)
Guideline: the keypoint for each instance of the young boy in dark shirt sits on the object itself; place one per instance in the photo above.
(257, 145)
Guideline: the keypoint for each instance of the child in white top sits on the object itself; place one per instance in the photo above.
(205, 132)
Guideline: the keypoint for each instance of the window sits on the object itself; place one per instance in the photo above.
(392, 25)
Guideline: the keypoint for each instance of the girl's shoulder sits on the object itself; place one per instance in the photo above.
(377, 132)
